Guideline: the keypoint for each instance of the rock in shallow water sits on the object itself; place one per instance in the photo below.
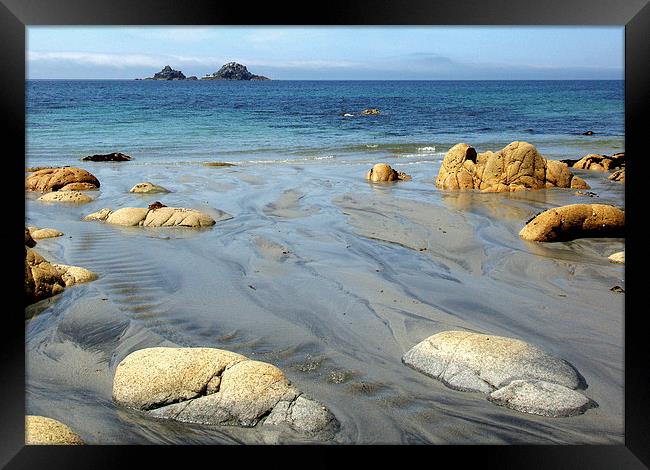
(42, 280)
(381, 172)
(575, 221)
(541, 398)
(40, 430)
(74, 197)
(54, 179)
(481, 363)
(161, 217)
(618, 257)
(148, 187)
(40, 233)
(72, 275)
(214, 386)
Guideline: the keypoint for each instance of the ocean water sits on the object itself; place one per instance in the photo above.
(289, 121)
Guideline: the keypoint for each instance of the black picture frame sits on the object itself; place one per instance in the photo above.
(16, 15)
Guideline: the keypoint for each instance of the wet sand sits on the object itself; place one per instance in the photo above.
(332, 279)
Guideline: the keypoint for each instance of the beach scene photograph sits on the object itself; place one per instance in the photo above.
(324, 235)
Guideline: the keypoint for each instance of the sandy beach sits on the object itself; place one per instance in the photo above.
(332, 279)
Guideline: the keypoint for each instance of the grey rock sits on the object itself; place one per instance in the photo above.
(541, 398)
(482, 363)
(167, 73)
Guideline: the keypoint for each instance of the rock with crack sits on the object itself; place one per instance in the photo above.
(161, 217)
(518, 166)
(148, 187)
(72, 275)
(74, 197)
(381, 172)
(40, 233)
(618, 175)
(40, 430)
(42, 280)
(54, 179)
(575, 221)
(214, 386)
(474, 362)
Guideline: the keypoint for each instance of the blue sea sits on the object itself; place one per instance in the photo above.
(289, 121)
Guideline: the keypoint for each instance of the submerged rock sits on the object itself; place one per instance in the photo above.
(42, 280)
(54, 179)
(233, 71)
(384, 172)
(495, 365)
(539, 397)
(160, 217)
(214, 386)
(370, 112)
(575, 221)
(600, 162)
(108, 157)
(66, 196)
(618, 175)
(518, 166)
(618, 257)
(40, 233)
(40, 430)
(588, 133)
(218, 164)
(148, 187)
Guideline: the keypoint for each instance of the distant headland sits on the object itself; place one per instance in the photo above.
(229, 71)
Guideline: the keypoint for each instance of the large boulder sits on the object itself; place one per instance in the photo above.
(517, 166)
(214, 386)
(147, 187)
(155, 217)
(40, 430)
(381, 172)
(74, 197)
(489, 364)
(42, 280)
(54, 179)
(108, 157)
(575, 221)
(600, 162)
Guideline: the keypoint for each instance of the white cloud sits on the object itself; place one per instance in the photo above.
(91, 58)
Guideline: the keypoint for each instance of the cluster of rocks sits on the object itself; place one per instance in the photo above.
(167, 73)
(508, 371)
(215, 386)
(517, 166)
(44, 279)
(597, 162)
(233, 71)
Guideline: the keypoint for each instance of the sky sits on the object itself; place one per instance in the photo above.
(330, 53)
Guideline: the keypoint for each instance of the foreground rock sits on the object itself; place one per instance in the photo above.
(383, 172)
(40, 430)
(575, 221)
(233, 71)
(55, 179)
(161, 217)
(214, 386)
(108, 157)
(618, 175)
(74, 197)
(40, 233)
(147, 187)
(618, 257)
(517, 166)
(474, 362)
(72, 275)
(42, 280)
(600, 162)
(167, 73)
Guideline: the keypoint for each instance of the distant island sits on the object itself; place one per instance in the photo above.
(230, 71)
(233, 71)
